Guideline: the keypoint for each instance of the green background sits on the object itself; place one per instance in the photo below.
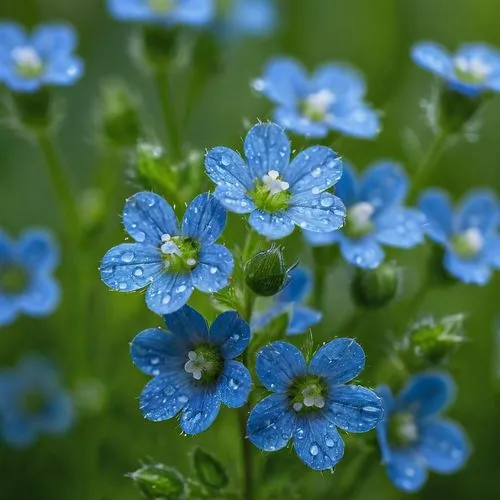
(374, 35)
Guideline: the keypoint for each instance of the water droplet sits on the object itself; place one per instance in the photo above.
(169, 390)
(128, 257)
(155, 360)
(316, 190)
(182, 399)
(123, 286)
(181, 288)
(234, 384)
(213, 270)
(225, 160)
(316, 172)
(138, 272)
(166, 299)
(329, 442)
(314, 450)
(139, 236)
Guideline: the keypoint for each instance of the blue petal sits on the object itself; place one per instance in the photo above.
(406, 470)
(226, 168)
(365, 252)
(318, 443)
(389, 403)
(427, 394)
(339, 361)
(205, 219)
(272, 226)
(347, 188)
(18, 83)
(12, 35)
(42, 296)
(201, 410)
(125, 10)
(52, 40)
(234, 199)
(278, 364)
(400, 227)
(7, 248)
(147, 217)
(492, 251)
(169, 292)
(433, 57)
(321, 239)
(315, 169)
(271, 423)
(354, 408)
(267, 148)
(253, 17)
(298, 286)
(437, 208)
(214, 269)
(235, 384)
(188, 324)
(291, 118)
(38, 250)
(358, 120)
(478, 210)
(344, 81)
(487, 56)
(302, 319)
(18, 432)
(231, 332)
(9, 309)
(471, 271)
(131, 266)
(193, 12)
(444, 446)
(59, 415)
(64, 70)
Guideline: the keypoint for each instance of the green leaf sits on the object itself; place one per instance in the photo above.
(209, 470)
(158, 481)
(227, 299)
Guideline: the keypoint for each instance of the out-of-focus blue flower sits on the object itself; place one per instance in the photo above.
(469, 237)
(310, 402)
(167, 261)
(332, 99)
(193, 367)
(473, 69)
(33, 402)
(28, 62)
(168, 12)
(375, 215)
(278, 194)
(252, 17)
(414, 438)
(289, 300)
(27, 285)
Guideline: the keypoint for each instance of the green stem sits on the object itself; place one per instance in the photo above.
(320, 275)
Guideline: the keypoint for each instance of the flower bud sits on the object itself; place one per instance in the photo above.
(265, 272)
(157, 481)
(159, 44)
(374, 288)
(34, 109)
(209, 470)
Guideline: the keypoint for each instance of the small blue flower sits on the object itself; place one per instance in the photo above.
(332, 99)
(276, 193)
(168, 12)
(469, 237)
(310, 402)
(375, 215)
(193, 367)
(475, 68)
(252, 17)
(414, 438)
(28, 62)
(167, 261)
(289, 300)
(33, 402)
(27, 285)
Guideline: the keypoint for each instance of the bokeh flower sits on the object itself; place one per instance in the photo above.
(252, 17)
(193, 368)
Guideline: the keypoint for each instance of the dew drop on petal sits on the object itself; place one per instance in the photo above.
(314, 450)
(166, 300)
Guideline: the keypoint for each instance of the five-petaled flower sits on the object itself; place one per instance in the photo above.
(33, 402)
(168, 261)
(278, 194)
(332, 99)
(310, 402)
(26, 281)
(375, 216)
(28, 62)
(413, 437)
(193, 367)
(469, 237)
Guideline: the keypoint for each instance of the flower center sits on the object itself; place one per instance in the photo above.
(271, 193)
(13, 279)
(471, 70)
(359, 220)
(403, 429)
(469, 243)
(28, 62)
(161, 6)
(33, 402)
(180, 254)
(317, 105)
(308, 394)
(204, 363)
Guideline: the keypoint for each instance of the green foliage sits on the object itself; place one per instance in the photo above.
(209, 470)
(159, 482)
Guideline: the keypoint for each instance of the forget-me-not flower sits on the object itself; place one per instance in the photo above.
(310, 402)
(44, 57)
(252, 17)
(375, 215)
(193, 367)
(27, 285)
(469, 237)
(33, 402)
(278, 194)
(332, 99)
(289, 300)
(168, 261)
(414, 437)
(475, 68)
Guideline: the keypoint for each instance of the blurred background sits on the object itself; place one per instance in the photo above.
(91, 461)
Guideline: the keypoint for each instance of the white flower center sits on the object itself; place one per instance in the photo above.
(273, 182)
(469, 243)
(473, 69)
(196, 365)
(28, 61)
(312, 398)
(361, 213)
(317, 105)
(168, 246)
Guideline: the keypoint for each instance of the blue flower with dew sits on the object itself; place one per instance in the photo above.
(193, 367)
(278, 194)
(252, 17)
(332, 99)
(27, 284)
(375, 215)
(309, 403)
(414, 437)
(33, 402)
(168, 261)
(290, 301)
(44, 57)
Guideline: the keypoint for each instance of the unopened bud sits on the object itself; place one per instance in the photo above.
(265, 272)
(374, 288)
(157, 481)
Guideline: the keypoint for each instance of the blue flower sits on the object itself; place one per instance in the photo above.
(193, 367)
(26, 282)
(33, 402)
(276, 193)
(475, 68)
(289, 300)
(28, 62)
(252, 17)
(332, 99)
(414, 438)
(375, 215)
(310, 402)
(469, 237)
(168, 12)
(167, 261)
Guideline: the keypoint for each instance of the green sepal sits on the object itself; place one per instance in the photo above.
(209, 471)
(159, 482)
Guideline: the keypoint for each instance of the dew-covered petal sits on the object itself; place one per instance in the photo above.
(272, 226)
(478, 210)
(347, 189)
(214, 269)
(471, 271)
(433, 57)
(38, 250)
(267, 148)
(235, 384)
(407, 470)
(302, 319)
(234, 199)
(400, 227)
(359, 120)
(291, 118)
(187, 324)
(365, 252)
(231, 332)
(54, 40)
(147, 217)
(131, 266)
(436, 205)
(298, 286)
(271, 423)
(42, 296)
(227, 168)
(277, 365)
(344, 81)
(169, 292)
(339, 361)
(64, 70)
(201, 410)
